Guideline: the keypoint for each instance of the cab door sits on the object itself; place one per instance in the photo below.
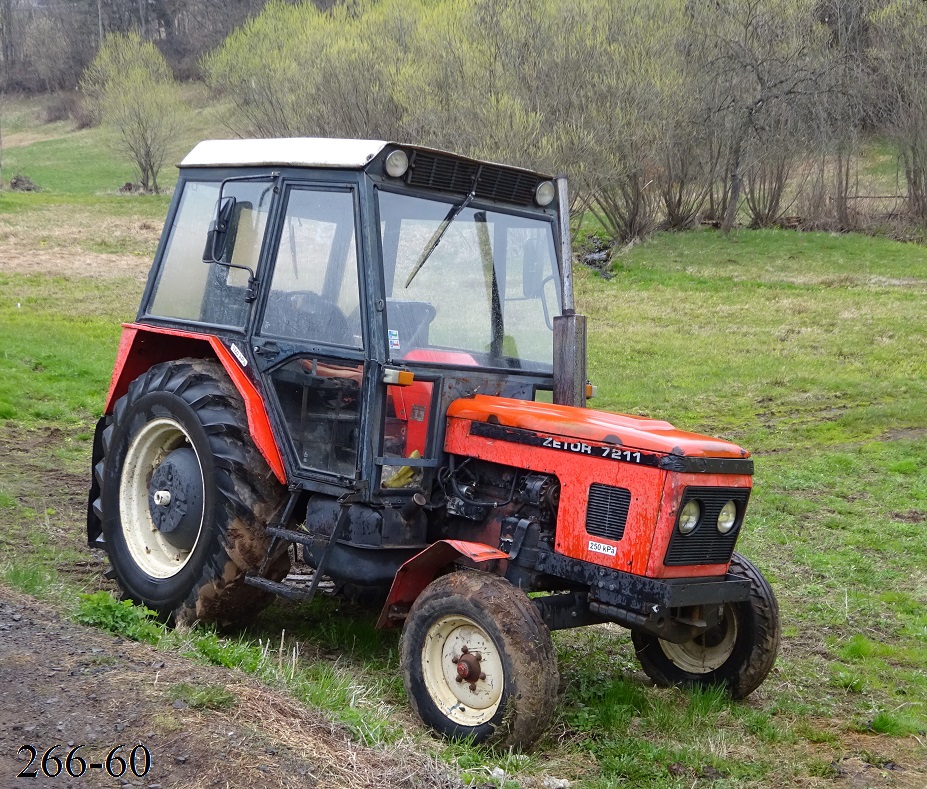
(309, 339)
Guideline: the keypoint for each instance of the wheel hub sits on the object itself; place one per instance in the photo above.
(709, 651)
(463, 670)
(468, 666)
(175, 497)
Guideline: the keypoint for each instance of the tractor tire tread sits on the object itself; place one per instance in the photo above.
(247, 490)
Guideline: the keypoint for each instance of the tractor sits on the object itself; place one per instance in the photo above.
(364, 356)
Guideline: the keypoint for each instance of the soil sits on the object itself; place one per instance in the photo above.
(68, 685)
(65, 684)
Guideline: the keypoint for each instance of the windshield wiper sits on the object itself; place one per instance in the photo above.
(440, 231)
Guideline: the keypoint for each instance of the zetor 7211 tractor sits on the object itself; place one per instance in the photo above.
(365, 355)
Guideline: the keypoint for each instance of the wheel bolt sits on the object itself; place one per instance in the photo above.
(460, 679)
(455, 659)
(465, 649)
(478, 656)
(472, 686)
(162, 498)
(482, 675)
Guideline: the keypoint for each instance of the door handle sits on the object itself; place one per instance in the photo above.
(268, 350)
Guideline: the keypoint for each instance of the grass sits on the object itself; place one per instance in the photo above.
(806, 349)
(75, 164)
(203, 697)
(59, 334)
(29, 576)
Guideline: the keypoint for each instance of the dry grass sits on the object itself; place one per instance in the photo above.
(337, 761)
(21, 139)
(57, 240)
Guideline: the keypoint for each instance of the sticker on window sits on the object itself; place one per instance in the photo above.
(393, 339)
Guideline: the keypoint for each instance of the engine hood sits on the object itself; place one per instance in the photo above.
(586, 424)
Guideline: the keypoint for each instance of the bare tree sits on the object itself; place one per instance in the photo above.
(901, 56)
(763, 58)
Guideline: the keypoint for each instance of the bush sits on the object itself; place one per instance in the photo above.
(68, 105)
(129, 88)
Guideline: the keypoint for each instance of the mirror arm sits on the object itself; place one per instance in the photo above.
(251, 293)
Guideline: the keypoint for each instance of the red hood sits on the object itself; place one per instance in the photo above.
(585, 424)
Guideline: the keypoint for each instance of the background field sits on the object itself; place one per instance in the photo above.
(808, 349)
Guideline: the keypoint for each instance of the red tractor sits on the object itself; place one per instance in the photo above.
(365, 355)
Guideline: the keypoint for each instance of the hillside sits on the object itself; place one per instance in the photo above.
(806, 348)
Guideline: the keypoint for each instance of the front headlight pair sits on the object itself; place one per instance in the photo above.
(692, 513)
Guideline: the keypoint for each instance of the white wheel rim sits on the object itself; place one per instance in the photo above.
(707, 652)
(448, 639)
(153, 554)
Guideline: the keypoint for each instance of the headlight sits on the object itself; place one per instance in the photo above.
(688, 518)
(397, 163)
(544, 193)
(727, 517)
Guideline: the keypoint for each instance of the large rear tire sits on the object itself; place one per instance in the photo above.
(478, 662)
(737, 654)
(185, 496)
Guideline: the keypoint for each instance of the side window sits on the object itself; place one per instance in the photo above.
(314, 293)
(189, 289)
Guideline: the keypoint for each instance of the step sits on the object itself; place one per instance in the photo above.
(295, 536)
(275, 587)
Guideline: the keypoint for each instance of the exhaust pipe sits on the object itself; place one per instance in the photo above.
(569, 328)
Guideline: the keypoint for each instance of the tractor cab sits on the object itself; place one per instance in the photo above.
(363, 286)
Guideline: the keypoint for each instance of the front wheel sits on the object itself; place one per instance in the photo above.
(478, 662)
(738, 653)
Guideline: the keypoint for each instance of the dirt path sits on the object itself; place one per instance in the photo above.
(61, 683)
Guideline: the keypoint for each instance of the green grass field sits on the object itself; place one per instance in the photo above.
(807, 349)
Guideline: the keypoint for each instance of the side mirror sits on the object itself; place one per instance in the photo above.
(532, 270)
(218, 234)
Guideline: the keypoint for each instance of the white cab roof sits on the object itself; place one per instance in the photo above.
(284, 151)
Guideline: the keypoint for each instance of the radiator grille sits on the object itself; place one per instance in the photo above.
(447, 174)
(607, 511)
(706, 545)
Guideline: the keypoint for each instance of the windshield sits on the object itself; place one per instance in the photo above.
(487, 293)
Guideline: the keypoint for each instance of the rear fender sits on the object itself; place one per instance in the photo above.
(419, 571)
(141, 347)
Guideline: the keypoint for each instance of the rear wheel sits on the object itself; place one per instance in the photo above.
(185, 496)
(738, 653)
(478, 662)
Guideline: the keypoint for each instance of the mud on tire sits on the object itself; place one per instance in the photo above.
(738, 654)
(509, 691)
(178, 435)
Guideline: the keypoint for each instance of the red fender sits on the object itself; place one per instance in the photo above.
(419, 571)
(141, 347)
